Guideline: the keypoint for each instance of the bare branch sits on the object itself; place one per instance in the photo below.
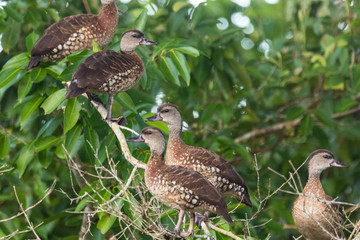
(31, 226)
(31, 207)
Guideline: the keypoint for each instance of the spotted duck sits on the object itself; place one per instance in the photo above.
(178, 187)
(75, 33)
(217, 170)
(315, 215)
(109, 71)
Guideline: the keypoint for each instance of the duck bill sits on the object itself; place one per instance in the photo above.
(336, 163)
(144, 41)
(139, 138)
(154, 118)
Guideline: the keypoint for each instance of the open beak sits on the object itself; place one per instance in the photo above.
(154, 118)
(144, 41)
(336, 163)
(139, 138)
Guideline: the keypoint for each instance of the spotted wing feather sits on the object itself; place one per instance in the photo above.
(199, 185)
(209, 158)
(100, 66)
(60, 32)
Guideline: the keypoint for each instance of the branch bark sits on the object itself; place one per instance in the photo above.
(289, 124)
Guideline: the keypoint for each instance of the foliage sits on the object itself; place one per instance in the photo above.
(280, 87)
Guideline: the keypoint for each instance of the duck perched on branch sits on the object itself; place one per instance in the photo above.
(315, 215)
(75, 33)
(109, 71)
(214, 168)
(178, 187)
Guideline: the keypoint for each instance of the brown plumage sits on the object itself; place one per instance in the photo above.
(214, 168)
(109, 71)
(178, 187)
(315, 216)
(75, 33)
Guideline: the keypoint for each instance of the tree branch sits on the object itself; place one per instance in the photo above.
(289, 124)
(120, 136)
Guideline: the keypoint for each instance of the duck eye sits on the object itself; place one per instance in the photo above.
(135, 36)
(327, 156)
(165, 110)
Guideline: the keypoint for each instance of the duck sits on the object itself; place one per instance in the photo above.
(178, 187)
(75, 33)
(315, 214)
(110, 72)
(213, 167)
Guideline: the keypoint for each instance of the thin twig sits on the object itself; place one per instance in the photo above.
(31, 207)
(31, 226)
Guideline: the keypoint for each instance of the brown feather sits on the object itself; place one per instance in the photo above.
(97, 69)
(75, 33)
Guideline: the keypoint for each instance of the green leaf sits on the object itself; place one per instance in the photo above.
(4, 146)
(38, 74)
(25, 157)
(140, 22)
(72, 113)
(163, 126)
(345, 104)
(181, 65)
(68, 72)
(306, 125)
(106, 222)
(45, 142)
(169, 70)
(33, 16)
(294, 112)
(92, 143)
(96, 47)
(79, 57)
(189, 50)
(30, 40)
(14, 14)
(6, 77)
(11, 35)
(126, 101)
(46, 158)
(18, 61)
(30, 107)
(82, 204)
(24, 87)
(53, 101)
(324, 117)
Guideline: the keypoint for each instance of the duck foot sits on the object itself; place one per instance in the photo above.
(199, 218)
(95, 98)
(187, 234)
(120, 120)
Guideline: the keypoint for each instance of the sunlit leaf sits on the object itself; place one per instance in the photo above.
(45, 142)
(106, 222)
(53, 101)
(140, 22)
(189, 50)
(169, 70)
(180, 62)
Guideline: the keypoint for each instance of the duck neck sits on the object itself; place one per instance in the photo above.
(156, 160)
(313, 186)
(175, 131)
(109, 15)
